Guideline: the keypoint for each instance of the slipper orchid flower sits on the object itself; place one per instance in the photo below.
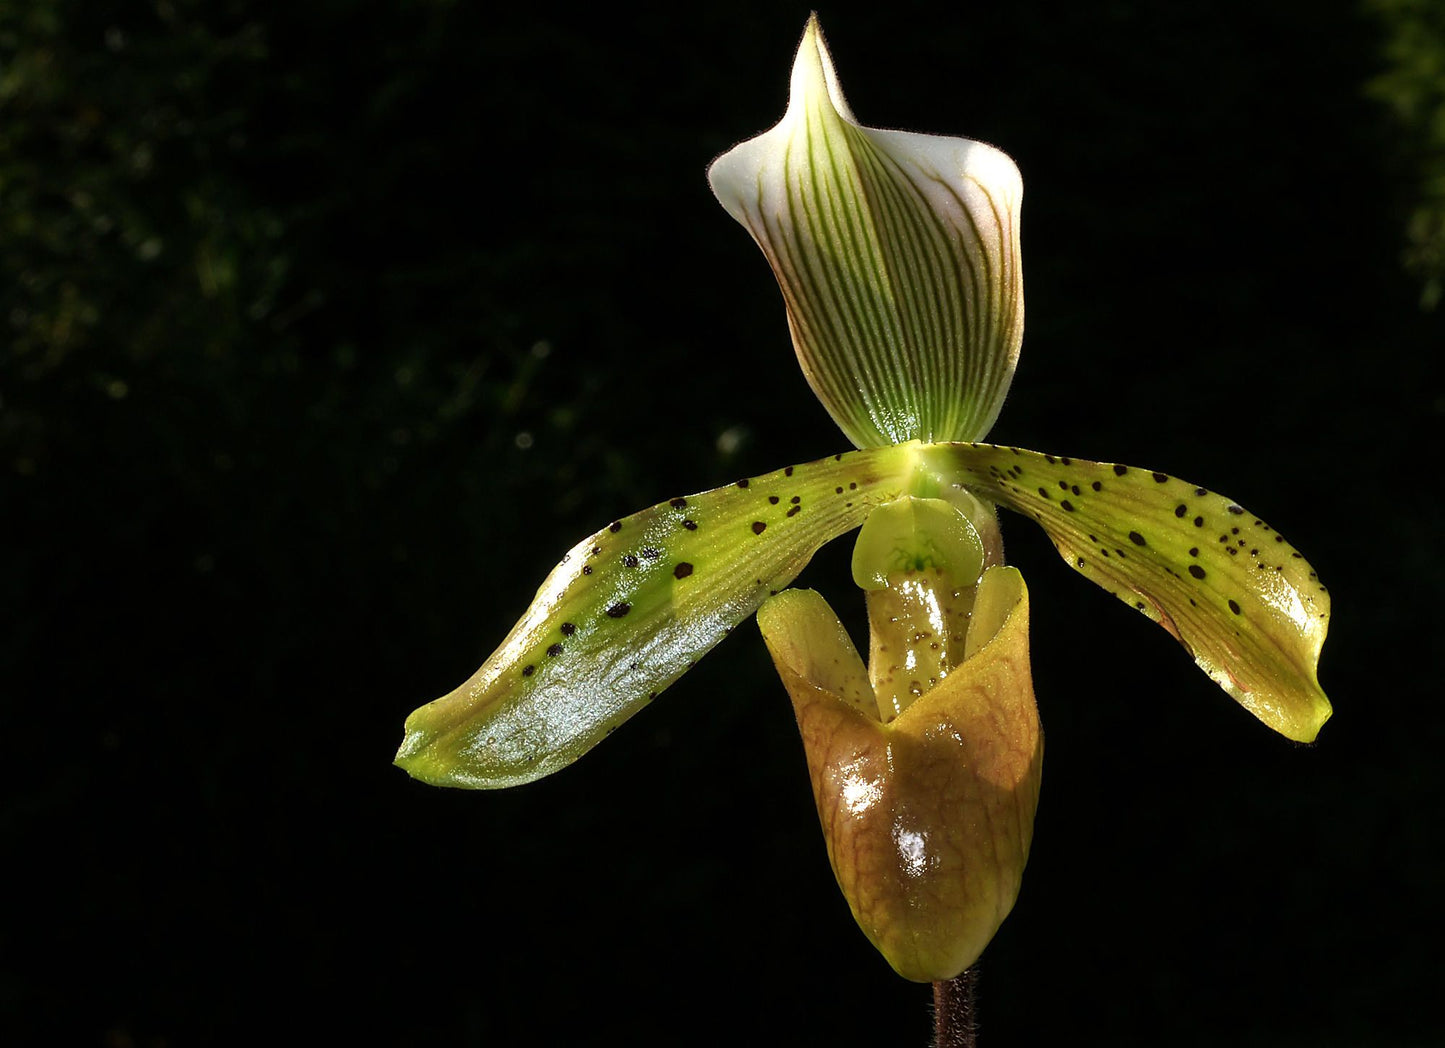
(898, 259)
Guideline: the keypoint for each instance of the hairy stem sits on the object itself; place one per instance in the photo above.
(954, 1023)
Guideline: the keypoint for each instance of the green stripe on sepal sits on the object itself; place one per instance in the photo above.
(631, 608)
(898, 259)
(1244, 602)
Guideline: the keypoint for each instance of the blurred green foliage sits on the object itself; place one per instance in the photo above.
(174, 227)
(1412, 85)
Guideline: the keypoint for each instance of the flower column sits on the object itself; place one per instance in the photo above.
(897, 255)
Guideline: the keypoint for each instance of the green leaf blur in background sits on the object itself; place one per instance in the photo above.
(328, 327)
(1411, 83)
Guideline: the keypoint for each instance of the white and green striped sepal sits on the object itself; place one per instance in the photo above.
(897, 255)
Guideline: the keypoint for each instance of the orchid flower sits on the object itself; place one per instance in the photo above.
(898, 259)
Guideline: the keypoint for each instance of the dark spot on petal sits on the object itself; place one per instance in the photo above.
(1201, 491)
(1136, 538)
(629, 561)
(587, 569)
(1064, 484)
(1234, 607)
(1067, 505)
(1097, 486)
(743, 483)
(528, 670)
(837, 491)
(615, 526)
(1119, 471)
(1044, 492)
(682, 571)
(568, 629)
(1079, 561)
(690, 525)
(1074, 488)
(1160, 478)
(619, 609)
(1050, 459)
(758, 527)
(678, 503)
(1199, 522)
(788, 472)
(1180, 510)
(1196, 571)
(1194, 551)
(1236, 510)
(772, 500)
(796, 499)
(853, 486)
(1066, 460)
(795, 509)
(554, 650)
(596, 550)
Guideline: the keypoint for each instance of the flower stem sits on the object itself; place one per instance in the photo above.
(954, 1024)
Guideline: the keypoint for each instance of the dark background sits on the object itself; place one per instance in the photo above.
(282, 287)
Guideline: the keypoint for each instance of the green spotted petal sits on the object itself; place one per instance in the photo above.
(631, 608)
(897, 255)
(1243, 602)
